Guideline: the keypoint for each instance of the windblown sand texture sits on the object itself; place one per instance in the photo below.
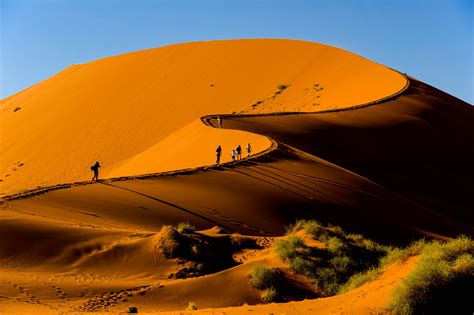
(395, 169)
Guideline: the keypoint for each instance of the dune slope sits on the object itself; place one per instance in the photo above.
(394, 170)
(123, 110)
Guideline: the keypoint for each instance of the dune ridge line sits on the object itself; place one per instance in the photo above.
(206, 120)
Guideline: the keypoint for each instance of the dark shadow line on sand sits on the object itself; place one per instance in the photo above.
(171, 205)
(282, 188)
(306, 177)
(295, 184)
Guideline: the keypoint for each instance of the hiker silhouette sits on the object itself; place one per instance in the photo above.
(95, 169)
(218, 154)
(239, 152)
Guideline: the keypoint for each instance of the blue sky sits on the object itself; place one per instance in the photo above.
(431, 40)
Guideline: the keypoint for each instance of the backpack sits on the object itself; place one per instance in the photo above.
(92, 167)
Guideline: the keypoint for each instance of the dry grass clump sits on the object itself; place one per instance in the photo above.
(198, 254)
(266, 279)
(262, 277)
(170, 242)
(328, 269)
(441, 282)
(239, 241)
(269, 295)
(185, 227)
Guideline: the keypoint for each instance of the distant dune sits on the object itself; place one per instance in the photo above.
(336, 138)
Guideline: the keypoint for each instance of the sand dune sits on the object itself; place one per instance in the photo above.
(391, 162)
(123, 108)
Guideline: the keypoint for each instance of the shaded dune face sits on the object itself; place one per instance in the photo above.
(395, 171)
(139, 112)
(418, 144)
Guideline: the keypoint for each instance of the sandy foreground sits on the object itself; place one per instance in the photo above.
(395, 169)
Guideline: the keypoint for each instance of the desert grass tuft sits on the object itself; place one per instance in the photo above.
(191, 306)
(269, 295)
(329, 269)
(185, 227)
(262, 277)
(443, 278)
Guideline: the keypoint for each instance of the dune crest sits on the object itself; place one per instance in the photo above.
(114, 109)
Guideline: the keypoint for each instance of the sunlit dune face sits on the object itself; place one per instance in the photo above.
(139, 112)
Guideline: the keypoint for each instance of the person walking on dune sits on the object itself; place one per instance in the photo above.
(233, 154)
(218, 154)
(95, 169)
(239, 152)
(249, 149)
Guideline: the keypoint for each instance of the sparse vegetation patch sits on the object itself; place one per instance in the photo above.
(442, 280)
(185, 227)
(266, 279)
(197, 253)
(262, 277)
(443, 277)
(331, 268)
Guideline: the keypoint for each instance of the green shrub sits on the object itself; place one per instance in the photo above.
(262, 277)
(132, 309)
(302, 266)
(340, 263)
(290, 247)
(295, 227)
(281, 87)
(335, 245)
(395, 254)
(443, 277)
(345, 255)
(327, 280)
(185, 227)
(269, 295)
(310, 227)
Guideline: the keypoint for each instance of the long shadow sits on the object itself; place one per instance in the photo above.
(295, 184)
(171, 205)
(319, 179)
(280, 187)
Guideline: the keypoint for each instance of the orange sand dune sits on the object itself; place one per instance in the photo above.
(418, 144)
(395, 170)
(370, 298)
(127, 111)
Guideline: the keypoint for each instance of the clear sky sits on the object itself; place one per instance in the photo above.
(431, 40)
